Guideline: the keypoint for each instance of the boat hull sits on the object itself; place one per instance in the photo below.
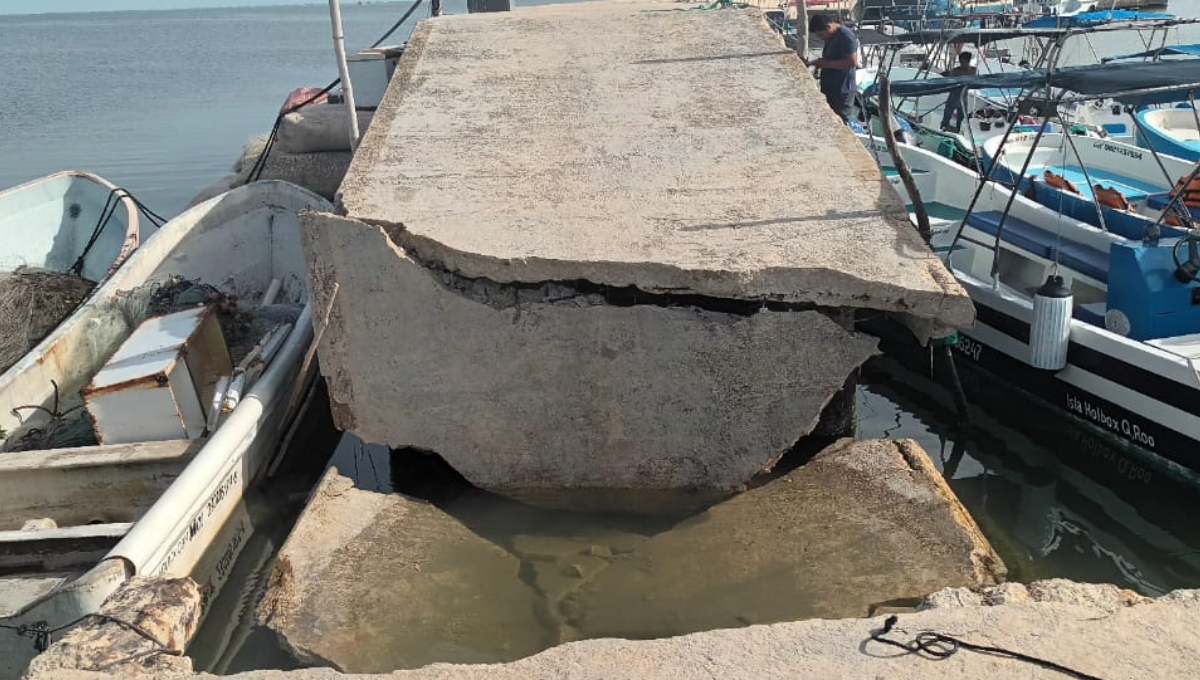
(238, 241)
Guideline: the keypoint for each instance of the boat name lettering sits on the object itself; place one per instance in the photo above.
(969, 347)
(1121, 150)
(195, 526)
(1131, 431)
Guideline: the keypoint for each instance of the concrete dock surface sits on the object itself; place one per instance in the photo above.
(1093, 629)
(643, 144)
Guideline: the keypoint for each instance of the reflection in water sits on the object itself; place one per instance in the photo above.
(1055, 500)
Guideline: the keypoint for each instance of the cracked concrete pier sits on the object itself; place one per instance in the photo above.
(565, 262)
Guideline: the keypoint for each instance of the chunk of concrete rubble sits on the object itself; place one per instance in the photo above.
(862, 523)
(1104, 596)
(370, 582)
(562, 392)
(141, 630)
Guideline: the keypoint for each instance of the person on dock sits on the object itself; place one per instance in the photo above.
(954, 102)
(839, 59)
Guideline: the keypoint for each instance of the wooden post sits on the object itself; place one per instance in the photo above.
(889, 133)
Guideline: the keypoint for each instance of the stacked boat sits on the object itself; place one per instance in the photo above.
(132, 429)
(1081, 257)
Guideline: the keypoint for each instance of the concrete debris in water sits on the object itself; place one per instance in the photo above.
(372, 582)
(369, 582)
(165, 609)
(863, 523)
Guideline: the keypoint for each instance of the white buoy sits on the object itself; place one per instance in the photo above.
(1050, 332)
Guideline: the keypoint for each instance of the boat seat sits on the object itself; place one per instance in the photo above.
(1091, 313)
(1133, 190)
(1043, 243)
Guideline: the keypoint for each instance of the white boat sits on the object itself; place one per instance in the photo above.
(69, 223)
(1132, 365)
(49, 223)
(166, 501)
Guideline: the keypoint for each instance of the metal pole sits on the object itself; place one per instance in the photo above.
(339, 49)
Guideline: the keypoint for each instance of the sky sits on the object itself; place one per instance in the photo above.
(40, 6)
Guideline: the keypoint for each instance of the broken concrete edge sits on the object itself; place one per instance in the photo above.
(743, 296)
(142, 628)
(1104, 596)
(989, 568)
(281, 582)
(1109, 638)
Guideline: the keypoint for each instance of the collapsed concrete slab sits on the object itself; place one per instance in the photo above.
(549, 387)
(368, 582)
(373, 582)
(594, 267)
(686, 153)
(863, 524)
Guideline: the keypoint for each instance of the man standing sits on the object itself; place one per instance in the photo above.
(954, 102)
(838, 61)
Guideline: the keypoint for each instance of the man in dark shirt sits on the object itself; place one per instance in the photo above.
(838, 61)
(954, 102)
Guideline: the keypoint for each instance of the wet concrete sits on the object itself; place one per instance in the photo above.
(371, 582)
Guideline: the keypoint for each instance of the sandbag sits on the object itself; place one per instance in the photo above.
(321, 127)
(320, 173)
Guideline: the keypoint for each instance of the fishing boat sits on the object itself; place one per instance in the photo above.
(1101, 324)
(69, 220)
(63, 234)
(174, 384)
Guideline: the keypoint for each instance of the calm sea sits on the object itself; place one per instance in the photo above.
(161, 102)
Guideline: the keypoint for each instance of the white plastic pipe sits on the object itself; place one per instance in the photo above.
(339, 49)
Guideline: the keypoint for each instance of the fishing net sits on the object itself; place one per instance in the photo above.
(241, 329)
(33, 302)
(65, 423)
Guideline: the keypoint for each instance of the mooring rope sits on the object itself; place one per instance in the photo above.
(937, 646)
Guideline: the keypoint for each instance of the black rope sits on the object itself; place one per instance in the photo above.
(936, 646)
(260, 163)
(106, 214)
(43, 634)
